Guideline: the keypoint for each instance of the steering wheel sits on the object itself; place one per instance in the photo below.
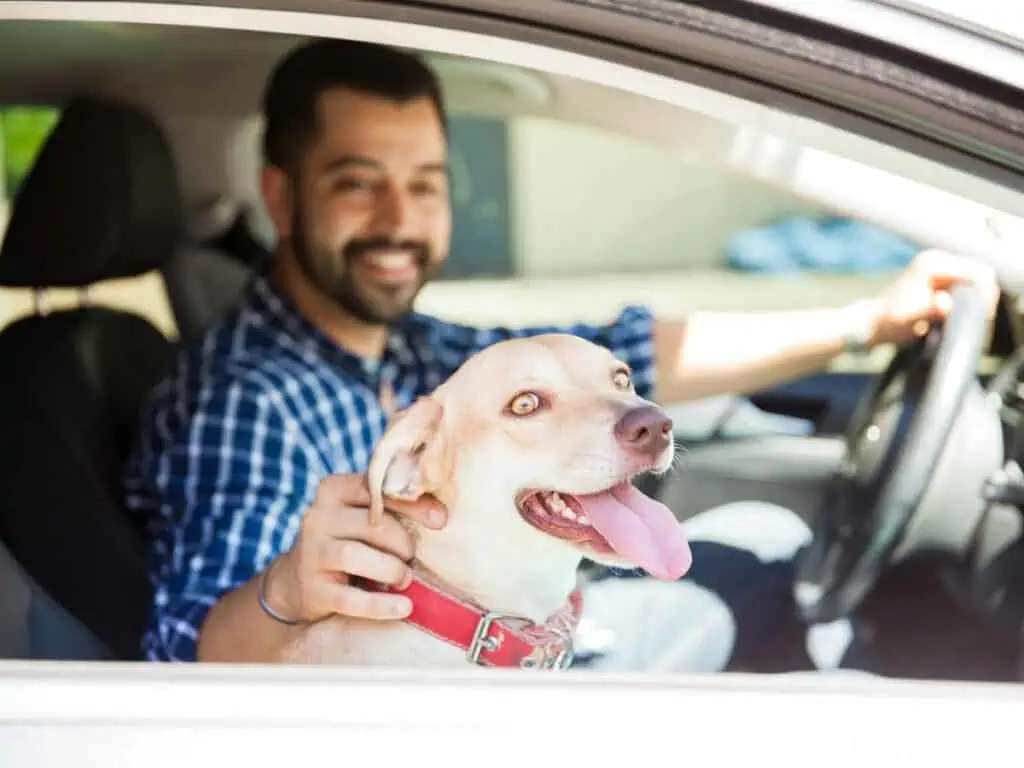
(893, 445)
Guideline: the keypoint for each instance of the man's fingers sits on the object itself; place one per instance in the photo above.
(426, 510)
(348, 600)
(351, 490)
(942, 303)
(354, 523)
(945, 269)
(343, 490)
(355, 558)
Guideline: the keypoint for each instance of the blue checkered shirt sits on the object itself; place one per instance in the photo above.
(251, 417)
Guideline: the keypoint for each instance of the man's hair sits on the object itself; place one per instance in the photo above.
(291, 96)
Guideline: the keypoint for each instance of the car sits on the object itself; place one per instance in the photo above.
(711, 155)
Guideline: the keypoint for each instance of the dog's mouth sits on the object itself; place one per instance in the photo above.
(621, 522)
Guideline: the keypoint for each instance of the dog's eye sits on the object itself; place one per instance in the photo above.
(621, 379)
(524, 403)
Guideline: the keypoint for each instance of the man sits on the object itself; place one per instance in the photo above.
(249, 464)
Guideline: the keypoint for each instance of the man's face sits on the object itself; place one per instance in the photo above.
(371, 220)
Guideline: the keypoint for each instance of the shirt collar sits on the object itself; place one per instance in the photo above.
(411, 334)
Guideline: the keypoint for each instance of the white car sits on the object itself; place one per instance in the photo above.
(603, 152)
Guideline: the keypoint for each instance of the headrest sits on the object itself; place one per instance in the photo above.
(224, 225)
(101, 202)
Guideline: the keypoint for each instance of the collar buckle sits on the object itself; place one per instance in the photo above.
(483, 640)
(556, 655)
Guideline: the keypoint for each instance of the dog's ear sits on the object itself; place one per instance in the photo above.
(401, 463)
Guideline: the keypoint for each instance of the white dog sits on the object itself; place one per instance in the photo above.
(532, 445)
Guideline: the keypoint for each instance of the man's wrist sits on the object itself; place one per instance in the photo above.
(858, 326)
(273, 597)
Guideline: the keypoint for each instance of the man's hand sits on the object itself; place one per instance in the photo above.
(336, 542)
(313, 580)
(920, 296)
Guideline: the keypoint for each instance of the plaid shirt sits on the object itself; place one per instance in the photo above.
(235, 440)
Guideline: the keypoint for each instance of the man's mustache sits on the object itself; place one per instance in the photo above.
(420, 250)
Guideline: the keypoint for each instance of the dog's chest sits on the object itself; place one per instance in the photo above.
(357, 643)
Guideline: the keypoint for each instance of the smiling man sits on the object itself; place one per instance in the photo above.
(366, 210)
(249, 467)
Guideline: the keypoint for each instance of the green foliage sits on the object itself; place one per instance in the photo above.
(23, 131)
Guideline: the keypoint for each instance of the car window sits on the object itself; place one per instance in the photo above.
(23, 131)
(558, 221)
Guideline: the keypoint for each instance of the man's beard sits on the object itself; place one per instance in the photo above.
(333, 276)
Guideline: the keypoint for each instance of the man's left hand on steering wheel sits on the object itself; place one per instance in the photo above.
(920, 296)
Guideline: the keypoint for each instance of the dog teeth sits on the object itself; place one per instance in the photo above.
(583, 520)
(555, 505)
(537, 507)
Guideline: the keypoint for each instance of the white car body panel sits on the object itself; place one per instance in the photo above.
(159, 715)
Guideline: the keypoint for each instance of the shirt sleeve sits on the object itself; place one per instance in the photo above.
(222, 491)
(630, 336)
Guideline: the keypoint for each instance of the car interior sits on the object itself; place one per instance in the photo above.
(138, 223)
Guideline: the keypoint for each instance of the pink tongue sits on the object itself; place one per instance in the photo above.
(640, 529)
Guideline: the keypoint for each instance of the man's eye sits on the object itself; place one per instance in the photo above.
(350, 184)
(426, 189)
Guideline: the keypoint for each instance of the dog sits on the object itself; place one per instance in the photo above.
(533, 445)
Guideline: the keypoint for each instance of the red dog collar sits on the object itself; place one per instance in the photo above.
(489, 638)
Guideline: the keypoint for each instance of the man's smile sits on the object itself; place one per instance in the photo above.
(389, 266)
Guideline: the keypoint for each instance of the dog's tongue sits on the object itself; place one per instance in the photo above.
(640, 529)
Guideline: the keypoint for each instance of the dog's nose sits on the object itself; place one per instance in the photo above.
(646, 429)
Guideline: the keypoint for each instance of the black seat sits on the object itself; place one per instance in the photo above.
(101, 202)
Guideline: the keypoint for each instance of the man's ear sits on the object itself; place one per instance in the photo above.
(401, 463)
(277, 198)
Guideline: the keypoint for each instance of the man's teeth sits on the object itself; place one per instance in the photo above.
(390, 260)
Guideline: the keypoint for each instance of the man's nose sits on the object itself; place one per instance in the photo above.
(392, 212)
(644, 429)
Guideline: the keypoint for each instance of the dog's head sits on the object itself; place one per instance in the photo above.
(533, 445)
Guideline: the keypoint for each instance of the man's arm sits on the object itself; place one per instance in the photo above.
(713, 353)
(708, 353)
(237, 630)
(716, 353)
